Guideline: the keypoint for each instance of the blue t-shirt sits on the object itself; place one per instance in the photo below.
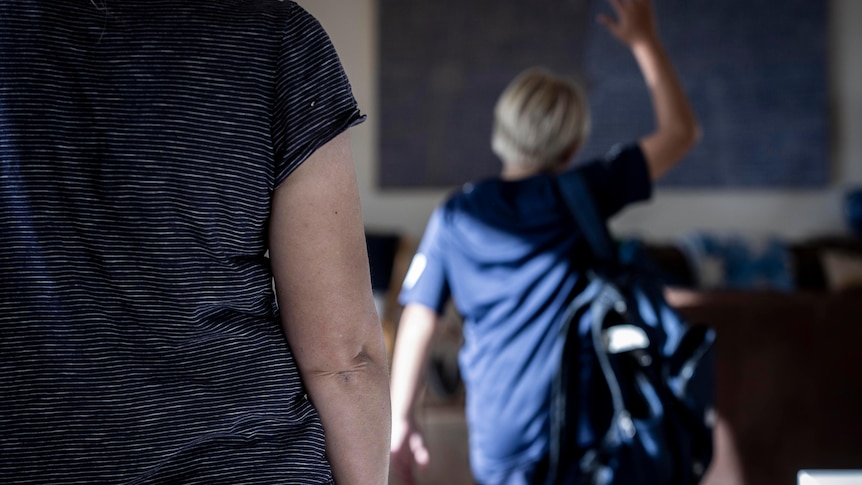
(503, 250)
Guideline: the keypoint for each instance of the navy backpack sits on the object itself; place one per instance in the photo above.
(633, 401)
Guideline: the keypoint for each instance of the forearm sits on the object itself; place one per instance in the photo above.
(353, 404)
(677, 128)
(320, 264)
(415, 335)
(670, 103)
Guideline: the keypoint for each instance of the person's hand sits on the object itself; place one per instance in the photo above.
(407, 448)
(635, 22)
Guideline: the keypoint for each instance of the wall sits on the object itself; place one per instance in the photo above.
(672, 212)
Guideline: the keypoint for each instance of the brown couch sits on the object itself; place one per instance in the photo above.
(789, 366)
(788, 381)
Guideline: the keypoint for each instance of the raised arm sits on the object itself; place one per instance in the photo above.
(415, 334)
(677, 129)
(317, 246)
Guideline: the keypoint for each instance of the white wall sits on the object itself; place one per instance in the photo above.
(352, 24)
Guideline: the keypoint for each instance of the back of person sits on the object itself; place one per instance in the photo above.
(507, 252)
(141, 143)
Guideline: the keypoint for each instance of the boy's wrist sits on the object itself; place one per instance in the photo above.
(405, 415)
(650, 43)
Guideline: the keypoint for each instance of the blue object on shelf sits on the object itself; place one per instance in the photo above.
(853, 211)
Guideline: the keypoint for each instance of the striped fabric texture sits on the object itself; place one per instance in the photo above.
(140, 143)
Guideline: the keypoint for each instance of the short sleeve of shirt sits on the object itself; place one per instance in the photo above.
(620, 179)
(425, 282)
(313, 98)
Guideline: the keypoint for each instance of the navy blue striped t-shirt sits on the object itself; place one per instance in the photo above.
(140, 144)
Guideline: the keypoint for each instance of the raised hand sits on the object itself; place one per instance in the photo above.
(635, 21)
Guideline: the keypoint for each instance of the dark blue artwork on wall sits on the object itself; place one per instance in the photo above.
(756, 74)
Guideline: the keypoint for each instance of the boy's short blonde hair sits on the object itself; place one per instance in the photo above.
(539, 119)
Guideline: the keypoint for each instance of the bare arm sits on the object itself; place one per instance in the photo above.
(415, 334)
(677, 129)
(319, 260)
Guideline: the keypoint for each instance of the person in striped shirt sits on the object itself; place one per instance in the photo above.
(161, 161)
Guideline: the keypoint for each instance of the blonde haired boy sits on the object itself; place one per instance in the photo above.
(501, 249)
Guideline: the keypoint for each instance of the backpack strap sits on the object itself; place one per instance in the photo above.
(583, 208)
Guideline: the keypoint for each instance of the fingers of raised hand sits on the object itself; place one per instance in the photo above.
(420, 452)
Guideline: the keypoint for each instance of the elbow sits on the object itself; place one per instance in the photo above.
(696, 133)
(348, 367)
(689, 134)
(669, 145)
(362, 364)
(681, 139)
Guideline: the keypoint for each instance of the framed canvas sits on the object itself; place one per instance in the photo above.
(756, 75)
